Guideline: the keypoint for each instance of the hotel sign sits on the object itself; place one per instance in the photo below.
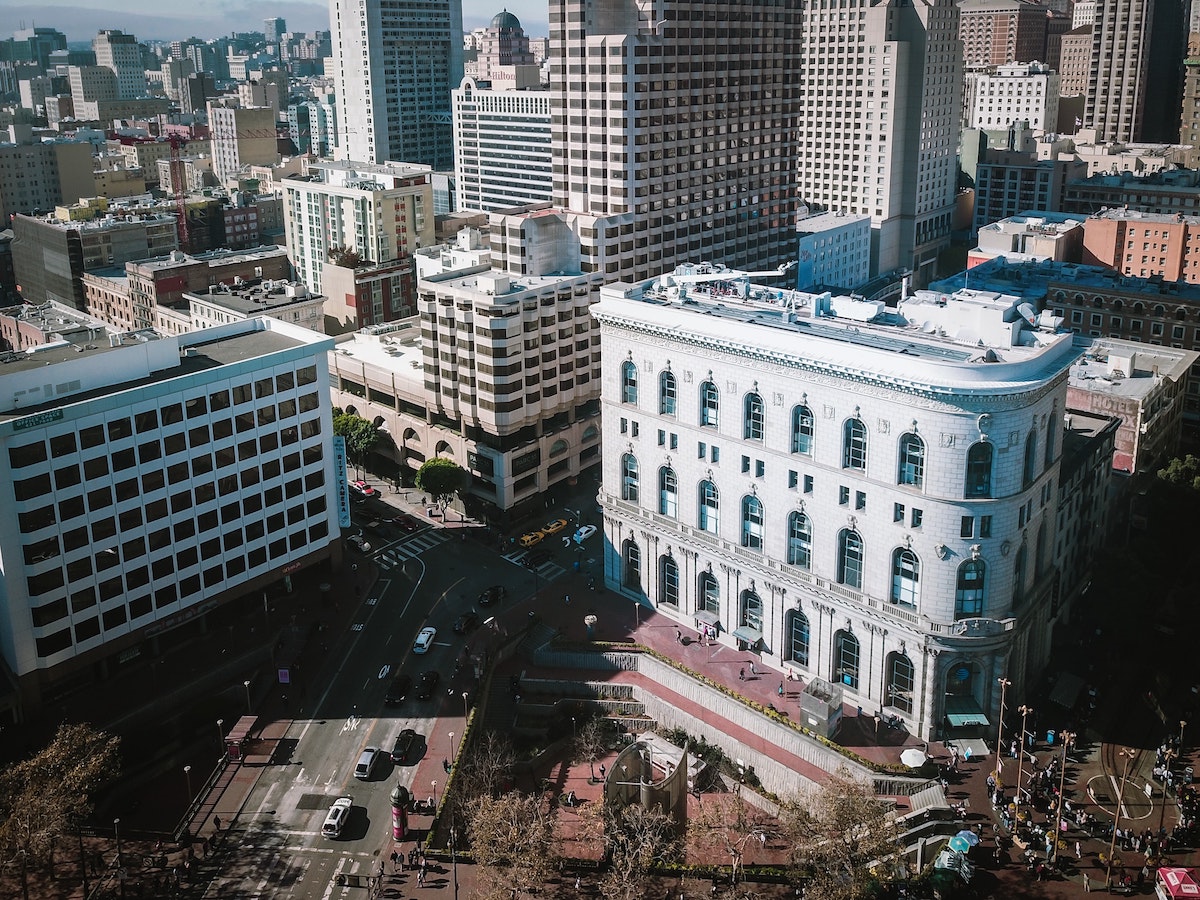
(54, 415)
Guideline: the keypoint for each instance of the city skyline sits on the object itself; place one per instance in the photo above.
(80, 21)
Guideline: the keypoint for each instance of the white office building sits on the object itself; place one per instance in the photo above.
(502, 152)
(120, 52)
(833, 250)
(860, 494)
(145, 480)
(997, 98)
(880, 93)
(380, 212)
(394, 66)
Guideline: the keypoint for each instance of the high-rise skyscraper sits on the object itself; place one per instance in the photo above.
(1137, 45)
(674, 128)
(880, 102)
(274, 29)
(394, 69)
(120, 52)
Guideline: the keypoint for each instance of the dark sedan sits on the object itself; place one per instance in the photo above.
(428, 684)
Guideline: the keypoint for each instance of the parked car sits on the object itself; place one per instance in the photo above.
(583, 532)
(407, 524)
(398, 689)
(424, 639)
(530, 539)
(541, 557)
(466, 622)
(554, 527)
(335, 819)
(403, 745)
(366, 764)
(359, 543)
(428, 684)
(491, 595)
(362, 489)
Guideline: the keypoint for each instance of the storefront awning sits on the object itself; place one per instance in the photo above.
(705, 617)
(747, 634)
(962, 712)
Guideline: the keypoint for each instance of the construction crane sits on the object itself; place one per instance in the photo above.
(177, 142)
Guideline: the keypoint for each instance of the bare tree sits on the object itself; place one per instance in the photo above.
(45, 796)
(591, 742)
(636, 840)
(839, 834)
(512, 840)
(728, 825)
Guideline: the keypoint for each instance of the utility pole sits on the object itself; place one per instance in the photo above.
(1004, 685)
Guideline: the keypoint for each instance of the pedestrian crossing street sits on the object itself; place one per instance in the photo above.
(548, 570)
(411, 547)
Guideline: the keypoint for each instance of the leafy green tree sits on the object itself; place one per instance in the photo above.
(46, 796)
(441, 479)
(361, 436)
(1182, 472)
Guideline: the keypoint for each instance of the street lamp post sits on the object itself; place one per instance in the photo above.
(574, 733)
(1024, 711)
(433, 784)
(637, 614)
(466, 709)
(1004, 683)
(221, 735)
(246, 685)
(454, 857)
(1182, 725)
(1066, 737)
(452, 753)
(117, 836)
(187, 773)
(1129, 754)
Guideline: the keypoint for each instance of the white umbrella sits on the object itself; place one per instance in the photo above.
(913, 757)
(969, 836)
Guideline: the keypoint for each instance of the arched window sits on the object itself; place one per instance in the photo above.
(979, 470)
(797, 640)
(629, 478)
(709, 593)
(906, 576)
(752, 522)
(1019, 564)
(1051, 428)
(752, 414)
(666, 394)
(854, 445)
(1139, 308)
(850, 559)
(668, 492)
(799, 545)
(1039, 557)
(1159, 311)
(628, 382)
(632, 556)
(558, 448)
(1030, 471)
(802, 429)
(912, 460)
(845, 659)
(590, 433)
(752, 611)
(968, 592)
(710, 508)
(668, 581)
(899, 688)
(710, 402)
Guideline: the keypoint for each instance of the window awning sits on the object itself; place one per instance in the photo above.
(707, 618)
(962, 712)
(747, 634)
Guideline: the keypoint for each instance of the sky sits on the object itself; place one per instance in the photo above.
(176, 19)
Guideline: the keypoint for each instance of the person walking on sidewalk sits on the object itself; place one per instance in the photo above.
(741, 675)
(1087, 883)
(678, 636)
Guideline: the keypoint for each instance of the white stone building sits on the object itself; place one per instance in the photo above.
(997, 98)
(858, 494)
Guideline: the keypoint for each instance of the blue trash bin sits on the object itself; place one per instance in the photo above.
(1050, 738)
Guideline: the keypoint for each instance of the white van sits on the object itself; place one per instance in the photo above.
(366, 763)
(335, 819)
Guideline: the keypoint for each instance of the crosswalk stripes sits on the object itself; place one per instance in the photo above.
(547, 570)
(410, 547)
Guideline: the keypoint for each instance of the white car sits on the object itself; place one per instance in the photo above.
(335, 819)
(424, 640)
(583, 533)
(359, 543)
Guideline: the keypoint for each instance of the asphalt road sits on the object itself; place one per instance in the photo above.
(281, 851)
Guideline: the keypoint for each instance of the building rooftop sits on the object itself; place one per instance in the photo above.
(212, 257)
(393, 347)
(1032, 279)
(251, 299)
(56, 318)
(970, 338)
(498, 286)
(1127, 369)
